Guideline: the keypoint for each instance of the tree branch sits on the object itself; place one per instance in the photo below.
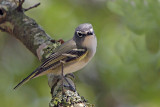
(36, 5)
(16, 23)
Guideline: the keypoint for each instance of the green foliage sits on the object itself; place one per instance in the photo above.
(142, 17)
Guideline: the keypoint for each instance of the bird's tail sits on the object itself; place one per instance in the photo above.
(31, 76)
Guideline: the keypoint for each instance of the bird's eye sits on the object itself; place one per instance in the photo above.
(79, 34)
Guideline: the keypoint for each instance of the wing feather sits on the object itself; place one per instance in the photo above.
(53, 61)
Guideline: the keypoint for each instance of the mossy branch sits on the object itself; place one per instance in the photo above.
(14, 22)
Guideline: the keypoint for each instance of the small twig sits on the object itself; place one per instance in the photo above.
(21, 2)
(19, 8)
(36, 5)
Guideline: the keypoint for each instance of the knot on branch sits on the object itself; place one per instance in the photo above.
(2, 13)
(4, 25)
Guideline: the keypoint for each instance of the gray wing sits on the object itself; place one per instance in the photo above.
(68, 49)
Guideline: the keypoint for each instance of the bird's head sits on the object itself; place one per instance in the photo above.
(84, 36)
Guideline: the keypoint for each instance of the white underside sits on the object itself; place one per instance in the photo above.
(91, 43)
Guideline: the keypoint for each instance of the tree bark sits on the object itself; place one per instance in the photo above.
(14, 21)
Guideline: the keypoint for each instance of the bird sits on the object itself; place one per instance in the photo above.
(73, 54)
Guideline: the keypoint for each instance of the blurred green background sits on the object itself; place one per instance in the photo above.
(125, 71)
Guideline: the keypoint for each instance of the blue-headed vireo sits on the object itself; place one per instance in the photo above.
(75, 54)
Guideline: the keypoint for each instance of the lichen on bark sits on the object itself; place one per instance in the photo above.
(14, 22)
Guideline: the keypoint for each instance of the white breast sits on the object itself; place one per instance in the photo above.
(74, 67)
(90, 43)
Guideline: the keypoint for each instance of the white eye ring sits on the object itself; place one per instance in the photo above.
(79, 33)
